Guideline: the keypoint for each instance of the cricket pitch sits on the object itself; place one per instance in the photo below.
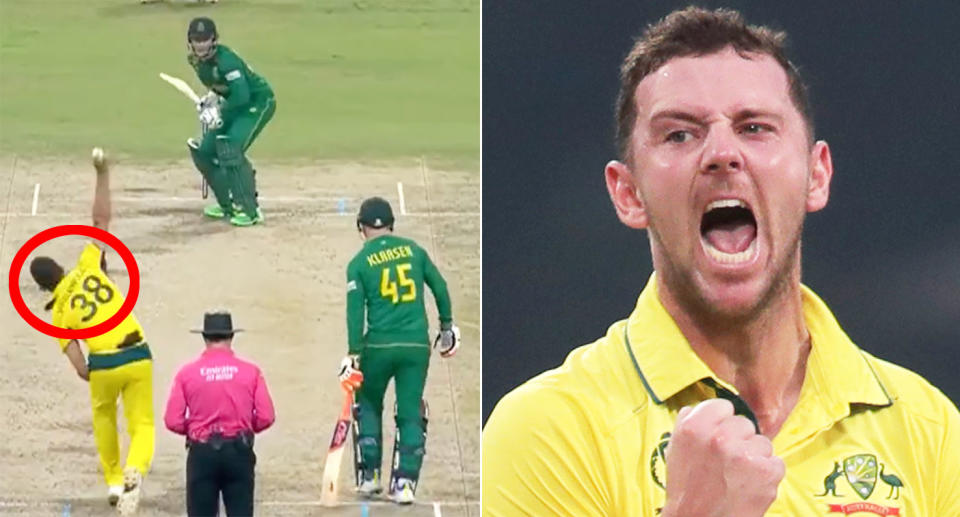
(284, 281)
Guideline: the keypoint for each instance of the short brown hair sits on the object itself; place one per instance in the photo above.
(695, 31)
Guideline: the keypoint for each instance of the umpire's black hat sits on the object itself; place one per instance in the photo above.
(217, 324)
(375, 212)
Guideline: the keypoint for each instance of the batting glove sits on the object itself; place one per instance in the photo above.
(209, 99)
(210, 117)
(448, 340)
(350, 375)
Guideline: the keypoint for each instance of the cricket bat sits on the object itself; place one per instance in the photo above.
(181, 85)
(331, 470)
(185, 89)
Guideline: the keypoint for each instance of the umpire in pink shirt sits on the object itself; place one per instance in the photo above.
(219, 401)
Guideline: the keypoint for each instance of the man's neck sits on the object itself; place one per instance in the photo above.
(373, 233)
(764, 357)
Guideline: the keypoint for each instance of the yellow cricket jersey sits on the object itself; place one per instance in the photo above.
(86, 297)
(587, 439)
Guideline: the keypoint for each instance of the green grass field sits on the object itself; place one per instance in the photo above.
(355, 80)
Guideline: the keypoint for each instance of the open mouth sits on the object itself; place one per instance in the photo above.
(728, 231)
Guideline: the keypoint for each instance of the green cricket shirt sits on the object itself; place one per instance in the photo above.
(385, 281)
(228, 75)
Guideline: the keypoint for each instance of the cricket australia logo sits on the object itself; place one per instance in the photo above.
(861, 472)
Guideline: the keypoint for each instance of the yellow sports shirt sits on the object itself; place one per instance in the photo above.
(86, 297)
(587, 439)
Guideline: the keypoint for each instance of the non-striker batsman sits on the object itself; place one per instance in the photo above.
(237, 107)
(385, 283)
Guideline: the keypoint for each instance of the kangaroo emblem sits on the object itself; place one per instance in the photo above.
(830, 482)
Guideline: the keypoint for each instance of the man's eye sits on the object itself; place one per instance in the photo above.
(755, 128)
(679, 137)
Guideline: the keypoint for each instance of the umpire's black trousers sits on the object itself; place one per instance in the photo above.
(220, 465)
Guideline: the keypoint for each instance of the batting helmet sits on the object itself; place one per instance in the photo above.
(201, 28)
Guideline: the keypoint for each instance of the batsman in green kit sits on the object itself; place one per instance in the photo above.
(237, 107)
(385, 291)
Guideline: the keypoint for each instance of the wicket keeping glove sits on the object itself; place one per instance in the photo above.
(350, 375)
(448, 340)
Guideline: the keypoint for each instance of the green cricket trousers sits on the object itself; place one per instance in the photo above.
(407, 364)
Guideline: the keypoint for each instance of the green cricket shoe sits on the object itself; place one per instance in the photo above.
(242, 219)
(214, 212)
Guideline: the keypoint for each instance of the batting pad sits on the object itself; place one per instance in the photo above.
(239, 173)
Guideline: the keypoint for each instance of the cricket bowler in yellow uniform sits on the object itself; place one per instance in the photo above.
(731, 390)
(119, 363)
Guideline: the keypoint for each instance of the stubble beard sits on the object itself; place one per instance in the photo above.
(680, 280)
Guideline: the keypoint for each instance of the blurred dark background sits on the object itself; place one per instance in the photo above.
(559, 268)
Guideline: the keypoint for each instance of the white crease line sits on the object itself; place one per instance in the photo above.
(436, 510)
(277, 213)
(403, 205)
(36, 199)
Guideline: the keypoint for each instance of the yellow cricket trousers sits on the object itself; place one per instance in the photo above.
(134, 382)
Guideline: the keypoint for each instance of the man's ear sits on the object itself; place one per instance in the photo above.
(625, 195)
(821, 172)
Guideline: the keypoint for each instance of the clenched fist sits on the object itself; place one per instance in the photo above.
(718, 466)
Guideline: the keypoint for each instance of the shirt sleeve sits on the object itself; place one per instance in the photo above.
(433, 278)
(90, 258)
(542, 456)
(263, 413)
(355, 310)
(65, 317)
(948, 466)
(239, 94)
(57, 321)
(175, 416)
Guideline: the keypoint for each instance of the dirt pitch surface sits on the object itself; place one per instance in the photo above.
(284, 283)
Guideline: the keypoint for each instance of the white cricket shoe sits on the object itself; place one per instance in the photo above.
(403, 493)
(130, 499)
(113, 494)
(370, 487)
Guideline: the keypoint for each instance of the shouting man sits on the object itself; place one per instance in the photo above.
(731, 390)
